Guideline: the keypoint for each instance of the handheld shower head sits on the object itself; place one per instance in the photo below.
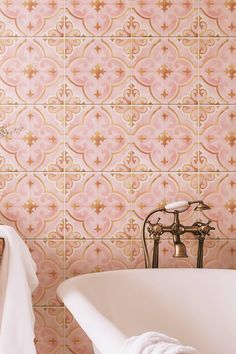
(201, 206)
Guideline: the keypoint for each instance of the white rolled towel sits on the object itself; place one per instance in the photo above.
(155, 343)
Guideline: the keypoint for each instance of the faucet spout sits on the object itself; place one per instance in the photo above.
(180, 250)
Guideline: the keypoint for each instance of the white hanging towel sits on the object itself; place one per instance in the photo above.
(17, 282)
(155, 343)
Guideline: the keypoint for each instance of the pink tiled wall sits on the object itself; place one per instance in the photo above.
(115, 107)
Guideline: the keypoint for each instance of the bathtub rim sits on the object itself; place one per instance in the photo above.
(116, 337)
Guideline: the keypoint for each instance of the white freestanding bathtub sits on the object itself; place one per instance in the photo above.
(196, 306)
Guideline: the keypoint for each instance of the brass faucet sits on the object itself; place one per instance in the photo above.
(155, 230)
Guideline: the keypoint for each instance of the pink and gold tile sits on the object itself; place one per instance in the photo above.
(35, 140)
(97, 70)
(157, 190)
(30, 70)
(76, 339)
(221, 254)
(96, 138)
(98, 18)
(164, 18)
(97, 204)
(218, 18)
(164, 70)
(218, 139)
(49, 330)
(49, 258)
(219, 191)
(31, 18)
(31, 203)
(164, 138)
(217, 70)
(89, 256)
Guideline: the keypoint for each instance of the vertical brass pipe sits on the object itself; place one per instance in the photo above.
(155, 257)
(200, 252)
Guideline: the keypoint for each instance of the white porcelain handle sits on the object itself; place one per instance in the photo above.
(179, 206)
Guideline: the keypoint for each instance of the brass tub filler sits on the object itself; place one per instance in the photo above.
(155, 230)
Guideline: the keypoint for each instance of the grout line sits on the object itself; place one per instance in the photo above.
(131, 126)
(198, 107)
(151, 105)
(149, 172)
(94, 37)
(123, 239)
(64, 177)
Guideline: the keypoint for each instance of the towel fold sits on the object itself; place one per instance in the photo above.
(155, 343)
(17, 282)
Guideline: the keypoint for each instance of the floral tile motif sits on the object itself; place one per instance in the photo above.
(97, 70)
(35, 138)
(49, 330)
(164, 138)
(97, 205)
(74, 230)
(49, 258)
(218, 139)
(164, 71)
(31, 203)
(155, 192)
(217, 71)
(198, 105)
(158, 189)
(220, 194)
(91, 256)
(219, 16)
(76, 339)
(30, 70)
(98, 18)
(163, 17)
(30, 18)
(97, 138)
(221, 255)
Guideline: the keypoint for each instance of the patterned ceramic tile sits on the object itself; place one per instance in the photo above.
(158, 189)
(98, 18)
(35, 139)
(31, 203)
(30, 70)
(219, 17)
(219, 192)
(76, 339)
(154, 192)
(218, 139)
(49, 258)
(49, 330)
(97, 70)
(96, 138)
(91, 256)
(97, 204)
(115, 92)
(164, 70)
(31, 18)
(164, 138)
(76, 229)
(221, 254)
(164, 17)
(218, 71)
